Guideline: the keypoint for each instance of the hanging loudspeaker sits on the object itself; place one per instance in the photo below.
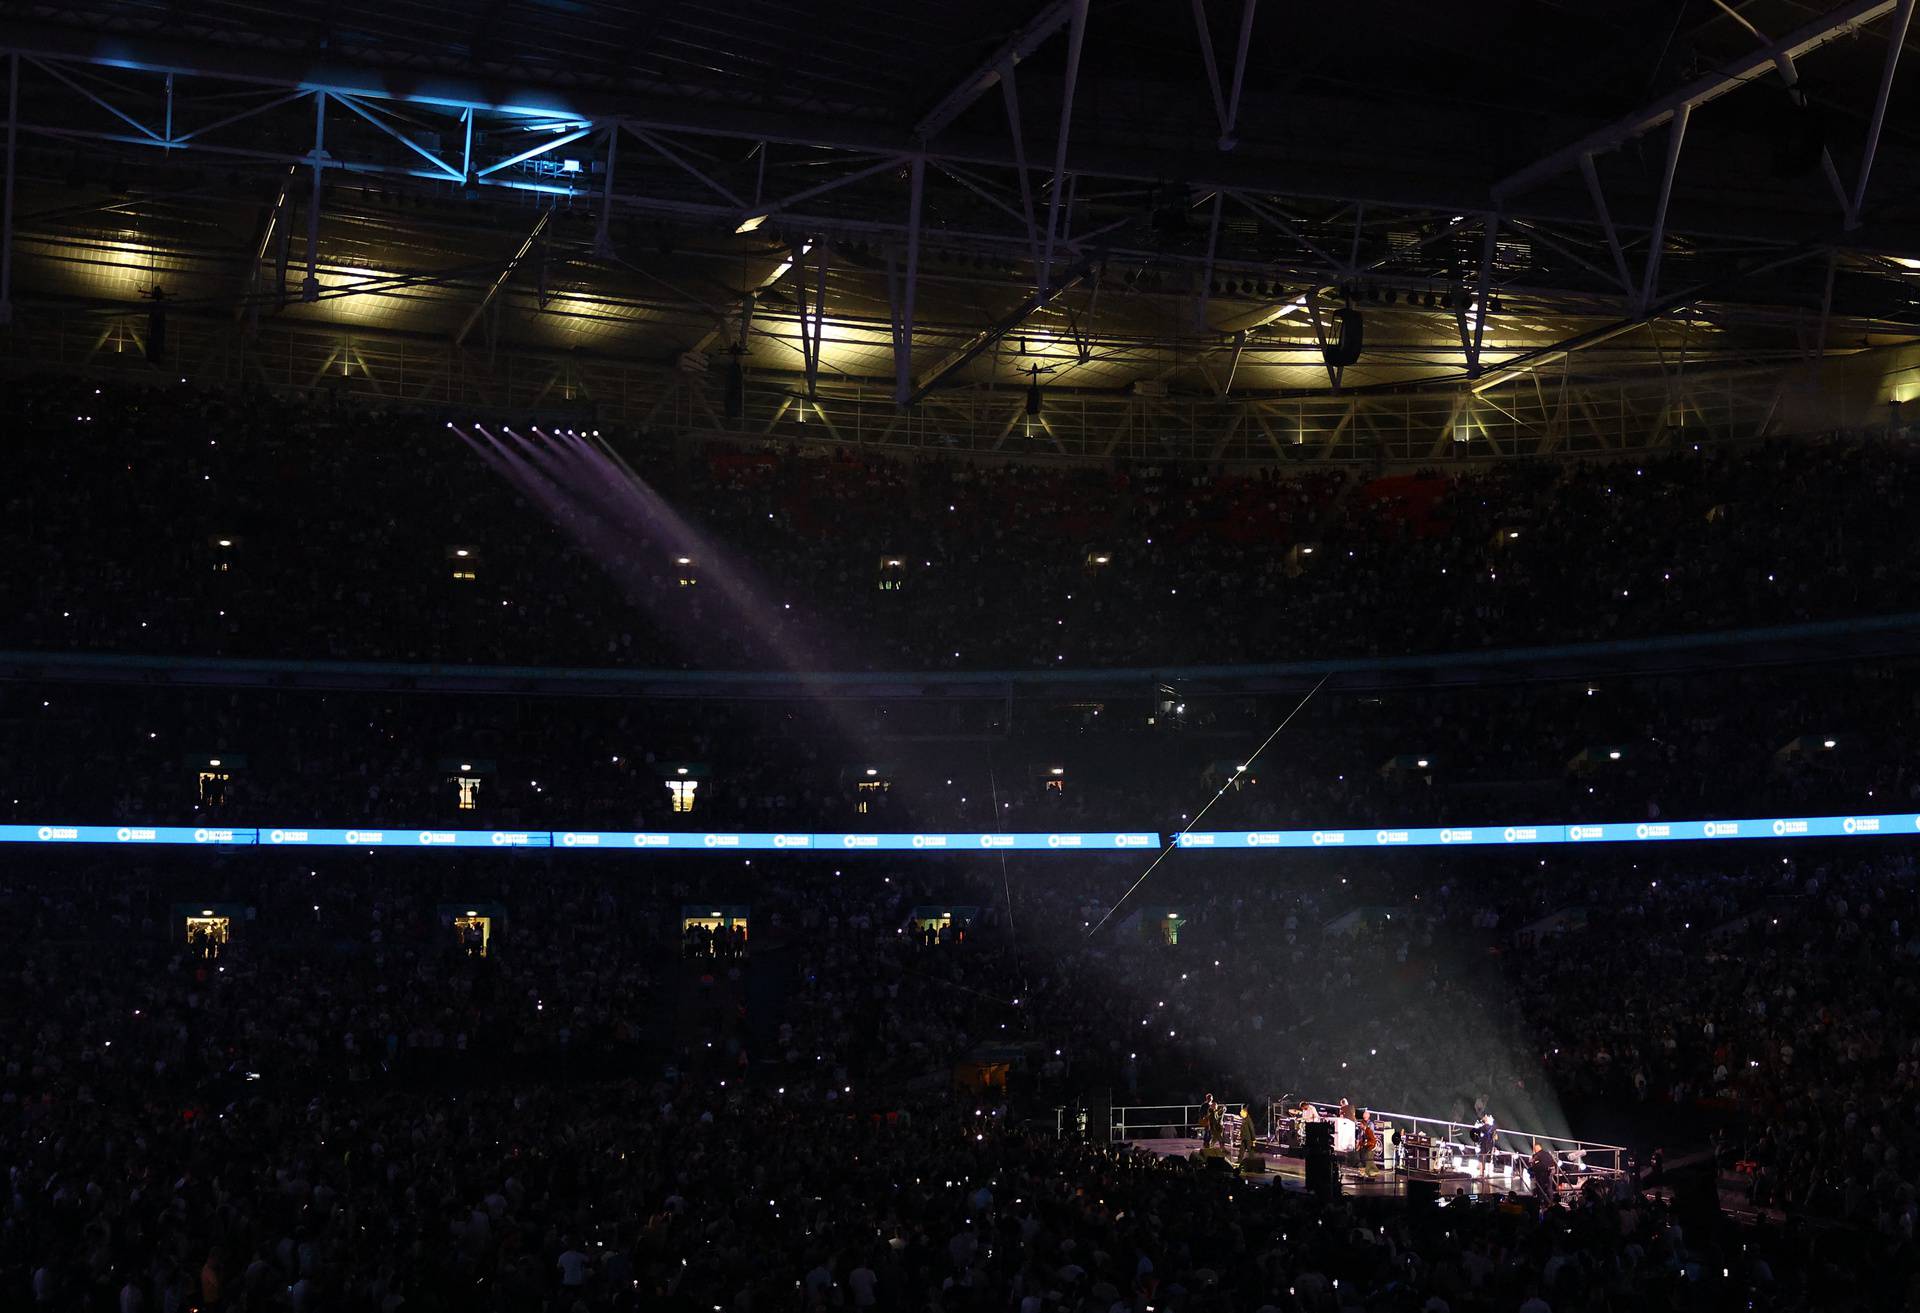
(736, 398)
(1349, 337)
(157, 333)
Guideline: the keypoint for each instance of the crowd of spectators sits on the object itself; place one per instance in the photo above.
(250, 526)
(1758, 742)
(617, 1096)
(346, 1107)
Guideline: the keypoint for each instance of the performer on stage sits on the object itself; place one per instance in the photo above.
(1487, 1137)
(1365, 1142)
(1545, 1170)
(1210, 1127)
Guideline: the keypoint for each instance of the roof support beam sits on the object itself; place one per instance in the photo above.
(810, 324)
(771, 208)
(1539, 234)
(1010, 96)
(1529, 361)
(1227, 139)
(1206, 269)
(1339, 430)
(501, 279)
(310, 285)
(1729, 77)
(1226, 106)
(1286, 226)
(276, 222)
(155, 138)
(1656, 240)
(1483, 295)
(1606, 221)
(992, 335)
(602, 237)
(904, 289)
(1896, 41)
(402, 138)
(183, 138)
(1233, 365)
(1076, 37)
(551, 144)
(6, 219)
(1050, 19)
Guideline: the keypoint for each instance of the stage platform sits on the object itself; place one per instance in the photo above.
(1410, 1142)
(1291, 1174)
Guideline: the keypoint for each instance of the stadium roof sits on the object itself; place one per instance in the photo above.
(945, 202)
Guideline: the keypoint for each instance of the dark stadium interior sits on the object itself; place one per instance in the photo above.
(1031, 656)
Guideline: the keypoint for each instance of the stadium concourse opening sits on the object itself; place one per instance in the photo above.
(1032, 655)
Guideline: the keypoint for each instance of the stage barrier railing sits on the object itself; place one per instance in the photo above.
(1132, 1121)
